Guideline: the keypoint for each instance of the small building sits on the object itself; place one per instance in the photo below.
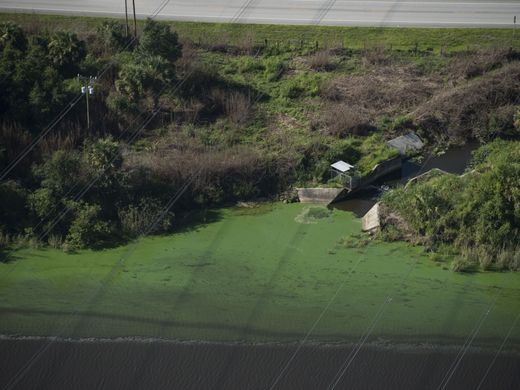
(406, 143)
(340, 169)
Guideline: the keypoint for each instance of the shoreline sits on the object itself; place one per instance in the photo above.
(419, 347)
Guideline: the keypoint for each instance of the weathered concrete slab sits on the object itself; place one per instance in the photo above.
(320, 195)
(371, 221)
(405, 143)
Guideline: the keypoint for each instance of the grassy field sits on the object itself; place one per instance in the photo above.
(330, 36)
(260, 274)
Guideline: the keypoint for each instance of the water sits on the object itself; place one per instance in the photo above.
(168, 365)
(454, 161)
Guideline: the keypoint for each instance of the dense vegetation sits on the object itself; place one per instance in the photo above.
(476, 214)
(233, 118)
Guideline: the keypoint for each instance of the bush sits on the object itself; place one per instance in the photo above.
(476, 213)
(274, 68)
(517, 119)
(87, 230)
(112, 35)
(158, 40)
(463, 265)
(142, 218)
(321, 61)
(341, 120)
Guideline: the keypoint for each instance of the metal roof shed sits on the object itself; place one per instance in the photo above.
(341, 166)
(406, 142)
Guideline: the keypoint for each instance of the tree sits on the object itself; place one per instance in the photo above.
(144, 77)
(66, 51)
(158, 40)
(61, 173)
(112, 35)
(87, 230)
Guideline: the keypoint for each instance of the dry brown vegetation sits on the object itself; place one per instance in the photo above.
(470, 109)
(469, 65)
(321, 61)
(472, 98)
(341, 120)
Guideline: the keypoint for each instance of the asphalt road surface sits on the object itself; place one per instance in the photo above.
(434, 13)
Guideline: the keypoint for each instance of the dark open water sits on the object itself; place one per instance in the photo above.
(168, 365)
(454, 161)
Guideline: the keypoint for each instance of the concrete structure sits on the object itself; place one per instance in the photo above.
(406, 143)
(331, 195)
(321, 195)
(446, 13)
(371, 221)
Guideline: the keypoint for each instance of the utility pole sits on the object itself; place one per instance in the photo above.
(135, 20)
(126, 18)
(514, 27)
(87, 88)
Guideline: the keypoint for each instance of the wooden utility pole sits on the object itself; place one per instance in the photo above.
(126, 18)
(135, 20)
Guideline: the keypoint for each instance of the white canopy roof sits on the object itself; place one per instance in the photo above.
(342, 166)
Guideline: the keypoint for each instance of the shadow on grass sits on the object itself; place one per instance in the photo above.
(6, 256)
(249, 329)
(196, 219)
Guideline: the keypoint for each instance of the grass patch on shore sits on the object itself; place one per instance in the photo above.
(259, 276)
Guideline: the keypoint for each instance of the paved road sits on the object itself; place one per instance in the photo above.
(329, 12)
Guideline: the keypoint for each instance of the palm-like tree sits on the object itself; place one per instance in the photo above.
(12, 34)
(66, 50)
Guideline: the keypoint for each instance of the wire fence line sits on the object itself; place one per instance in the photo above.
(71, 104)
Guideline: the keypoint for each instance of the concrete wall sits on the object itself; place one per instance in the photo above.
(371, 221)
(320, 195)
(379, 171)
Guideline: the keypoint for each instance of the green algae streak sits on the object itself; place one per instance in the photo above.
(255, 275)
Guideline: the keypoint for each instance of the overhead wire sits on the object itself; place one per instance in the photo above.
(70, 105)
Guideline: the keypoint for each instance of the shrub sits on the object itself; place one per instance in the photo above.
(143, 218)
(321, 61)
(238, 107)
(517, 119)
(342, 120)
(12, 35)
(274, 68)
(66, 51)
(112, 35)
(87, 230)
(158, 40)
(463, 265)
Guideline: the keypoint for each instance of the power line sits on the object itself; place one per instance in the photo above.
(108, 278)
(469, 340)
(368, 331)
(499, 351)
(70, 105)
(316, 322)
(170, 204)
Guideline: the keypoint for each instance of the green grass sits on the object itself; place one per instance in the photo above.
(256, 275)
(351, 37)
